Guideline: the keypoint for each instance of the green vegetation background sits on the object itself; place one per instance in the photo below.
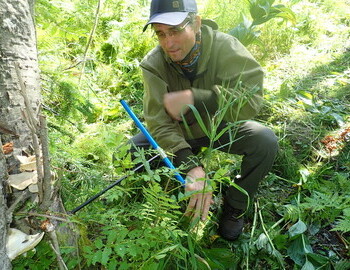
(89, 56)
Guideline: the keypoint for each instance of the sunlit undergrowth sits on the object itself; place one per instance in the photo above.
(300, 218)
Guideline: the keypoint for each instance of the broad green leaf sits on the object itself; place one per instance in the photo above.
(308, 266)
(306, 94)
(297, 228)
(298, 249)
(317, 260)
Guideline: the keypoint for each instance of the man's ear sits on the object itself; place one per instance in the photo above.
(198, 24)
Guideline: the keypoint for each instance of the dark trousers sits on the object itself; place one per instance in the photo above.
(256, 143)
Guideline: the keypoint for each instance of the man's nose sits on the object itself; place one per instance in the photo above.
(169, 41)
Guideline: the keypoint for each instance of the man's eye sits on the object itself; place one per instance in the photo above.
(160, 34)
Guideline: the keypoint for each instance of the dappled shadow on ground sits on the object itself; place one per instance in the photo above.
(337, 70)
(303, 147)
(325, 108)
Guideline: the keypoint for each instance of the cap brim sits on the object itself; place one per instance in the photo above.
(169, 18)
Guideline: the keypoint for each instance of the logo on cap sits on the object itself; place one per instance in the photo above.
(176, 4)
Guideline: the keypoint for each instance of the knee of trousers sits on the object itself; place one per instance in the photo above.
(265, 141)
(138, 141)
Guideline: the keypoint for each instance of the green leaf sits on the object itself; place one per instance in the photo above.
(111, 236)
(298, 249)
(124, 266)
(97, 257)
(317, 260)
(180, 196)
(342, 265)
(135, 250)
(113, 264)
(87, 249)
(308, 266)
(278, 255)
(297, 228)
(262, 241)
(280, 241)
(120, 250)
(98, 243)
(245, 32)
(161, 254)
(199, 119)
(220, 258)
(338, 118)
(105, 255)
(342, 224)
(241, 190)
(305, 173)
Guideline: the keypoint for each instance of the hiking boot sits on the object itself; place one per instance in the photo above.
(231, 222)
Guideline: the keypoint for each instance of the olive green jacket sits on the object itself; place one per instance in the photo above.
(226, 70)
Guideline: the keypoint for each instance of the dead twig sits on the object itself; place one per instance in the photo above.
(97, 14)
(32, 214)
(32, 123)
(342, 240)
(47, 187)
(56, 248)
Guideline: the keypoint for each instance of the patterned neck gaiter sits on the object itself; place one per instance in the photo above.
(189, 63)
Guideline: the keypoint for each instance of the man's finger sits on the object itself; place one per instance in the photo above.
(191, 205)
(206, 205)
(199, 207)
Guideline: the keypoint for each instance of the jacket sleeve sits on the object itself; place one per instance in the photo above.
(239, 83)
(166, 131)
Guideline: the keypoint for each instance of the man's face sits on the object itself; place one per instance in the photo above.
(176, 41)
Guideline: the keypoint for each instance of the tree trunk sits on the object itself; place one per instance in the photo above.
(21, 125)
(17, 45)
(4, 260)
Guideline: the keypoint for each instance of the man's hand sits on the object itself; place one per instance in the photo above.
(175, 103)
(200, 201)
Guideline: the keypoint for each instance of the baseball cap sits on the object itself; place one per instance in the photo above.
(170, 12)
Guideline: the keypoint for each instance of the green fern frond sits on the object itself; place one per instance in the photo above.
(291, 212)
(342, 224)
(328, 206)
(163, 207)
